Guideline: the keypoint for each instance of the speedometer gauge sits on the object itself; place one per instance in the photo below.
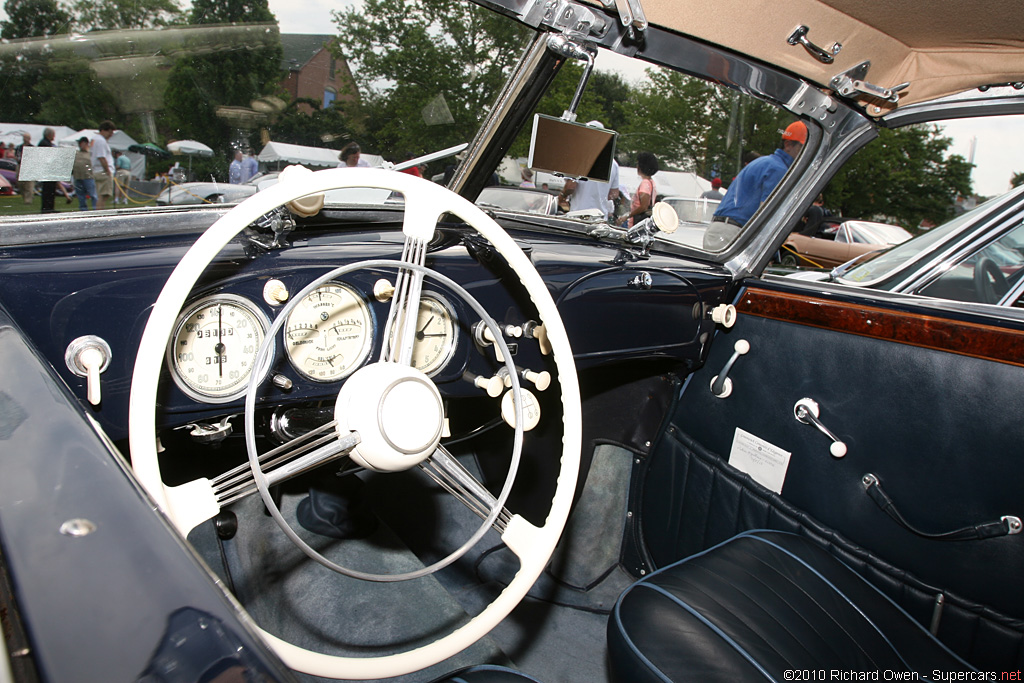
(213, 349)
(327, 335)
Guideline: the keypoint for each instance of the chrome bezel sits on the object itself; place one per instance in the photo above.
(231, 300)
(364, 351)
(453, 339)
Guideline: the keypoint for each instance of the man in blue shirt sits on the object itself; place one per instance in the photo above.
(235, 169)
(751, 187)
(250, 166)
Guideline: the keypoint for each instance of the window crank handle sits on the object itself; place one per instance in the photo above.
(807, 411)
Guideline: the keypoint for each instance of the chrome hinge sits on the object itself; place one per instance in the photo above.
(799, 37)
(810, 102)
(851, 82)
(630, 13)
(572, 18)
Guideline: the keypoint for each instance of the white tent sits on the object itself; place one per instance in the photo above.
(119, 141)
(11, 132)
(316, 157)
(667, 183)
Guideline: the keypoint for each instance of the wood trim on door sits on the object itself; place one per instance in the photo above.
(988, 342)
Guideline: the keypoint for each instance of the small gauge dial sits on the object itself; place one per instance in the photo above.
(213, 350)
(435, 335)
(327, 336)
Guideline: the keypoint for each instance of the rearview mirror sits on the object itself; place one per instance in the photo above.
(569, 149)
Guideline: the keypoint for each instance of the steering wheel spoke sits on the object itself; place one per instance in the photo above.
(400, 329)
(453, 477)
(303, 453)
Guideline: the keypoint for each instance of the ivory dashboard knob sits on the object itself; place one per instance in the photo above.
(531, 409)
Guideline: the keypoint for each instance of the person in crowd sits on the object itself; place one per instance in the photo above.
(350, 156)
(527, 178)
(47, 188)
(752, 186)
(81, 174)
(250, 166)
(716, 190)
(103, 163)
(235, 169)
(646, 194)
(811, 221)
(27, 188)
(412, 170)
(122, 177)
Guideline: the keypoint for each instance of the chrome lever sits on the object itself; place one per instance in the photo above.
(807, 411)
(721, 385)
(799, 37)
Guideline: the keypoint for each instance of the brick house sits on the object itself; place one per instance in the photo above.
(313, 72)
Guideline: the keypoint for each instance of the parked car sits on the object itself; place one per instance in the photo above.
(976, 257)
(839, 241)
(301, 438)
(213, 192)
(520, 199)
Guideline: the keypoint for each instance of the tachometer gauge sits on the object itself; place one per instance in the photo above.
(435, 335)
(327, 335)
(213, 349)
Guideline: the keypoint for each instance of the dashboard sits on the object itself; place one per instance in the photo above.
(617, 307)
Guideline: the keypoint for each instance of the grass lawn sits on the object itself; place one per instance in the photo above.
(12, 205)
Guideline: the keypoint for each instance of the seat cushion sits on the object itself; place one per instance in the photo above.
(759, 605)
(486, 673)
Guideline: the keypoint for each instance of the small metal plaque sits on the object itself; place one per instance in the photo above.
(46, 163)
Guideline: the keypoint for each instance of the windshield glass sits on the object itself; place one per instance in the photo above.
(891, 260)
(167, 104)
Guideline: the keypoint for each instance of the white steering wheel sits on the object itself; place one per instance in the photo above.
(362, 428)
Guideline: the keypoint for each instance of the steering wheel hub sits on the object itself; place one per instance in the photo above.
(397, 412)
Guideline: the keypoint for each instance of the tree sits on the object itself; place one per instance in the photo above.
(25, 67)
(904, 176)
(1017, 180)
(597, 103)
(238, 63)
(434, 76)
(298, 127)
(115, 14)
(33, 19)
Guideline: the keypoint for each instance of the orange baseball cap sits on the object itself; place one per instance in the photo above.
(796, 131)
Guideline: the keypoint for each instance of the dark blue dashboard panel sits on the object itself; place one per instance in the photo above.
(59, 291)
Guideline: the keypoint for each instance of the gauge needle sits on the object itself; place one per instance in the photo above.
(219, 348)
(420, 335)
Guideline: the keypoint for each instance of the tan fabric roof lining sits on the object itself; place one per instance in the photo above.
(978, 44)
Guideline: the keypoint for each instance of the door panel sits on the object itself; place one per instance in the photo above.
(929, 405)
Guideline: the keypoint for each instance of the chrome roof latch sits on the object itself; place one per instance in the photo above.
(799, 37)
(851, 82)
(631, 14)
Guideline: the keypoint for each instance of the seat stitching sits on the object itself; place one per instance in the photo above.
(629, 640)
(853, 604)
(781, 625)
(714, 628)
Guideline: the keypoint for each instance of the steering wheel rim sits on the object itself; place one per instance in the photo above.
(192, 503)
(989, 282)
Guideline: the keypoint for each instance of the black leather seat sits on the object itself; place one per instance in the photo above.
(486, 673)
(759, 605)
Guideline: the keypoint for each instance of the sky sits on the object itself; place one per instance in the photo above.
(998, 143)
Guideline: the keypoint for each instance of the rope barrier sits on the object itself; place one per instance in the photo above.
(170, 183)
(800, 256)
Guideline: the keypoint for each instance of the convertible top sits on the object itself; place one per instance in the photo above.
(939, 47)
